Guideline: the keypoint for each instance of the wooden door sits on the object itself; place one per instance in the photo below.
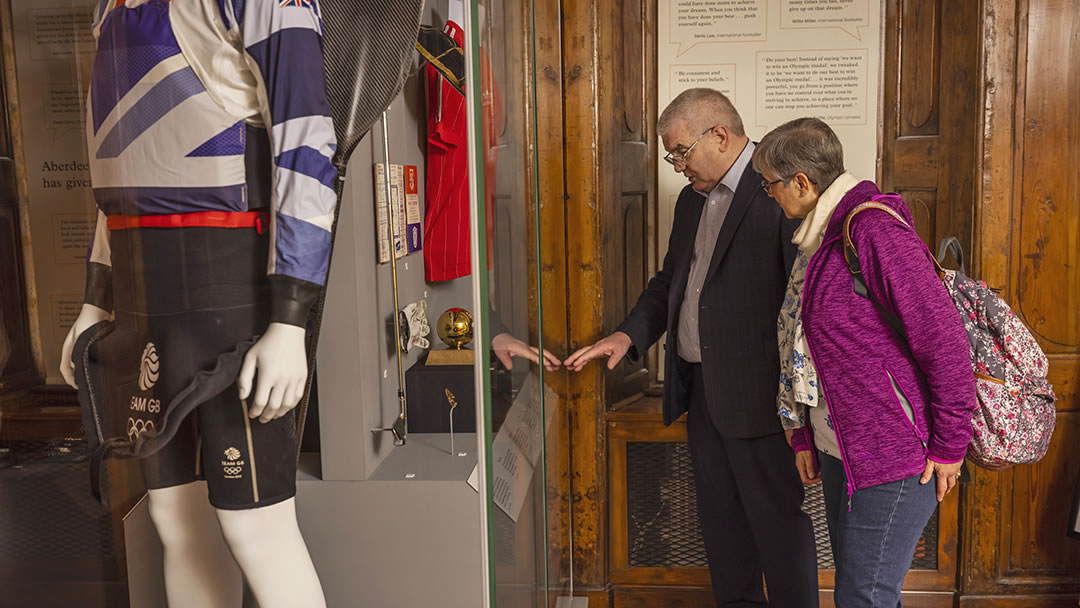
(1028, 246)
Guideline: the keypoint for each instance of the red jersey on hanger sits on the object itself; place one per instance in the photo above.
(446, 219)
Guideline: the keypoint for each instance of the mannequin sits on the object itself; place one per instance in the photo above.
(203, 545)
(210, 156)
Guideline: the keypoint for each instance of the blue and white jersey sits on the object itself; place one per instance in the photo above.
(215, 105)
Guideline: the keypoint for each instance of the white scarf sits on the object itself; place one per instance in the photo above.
(812, 229)
(799, 385)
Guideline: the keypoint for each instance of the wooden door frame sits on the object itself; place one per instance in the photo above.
(14, 118)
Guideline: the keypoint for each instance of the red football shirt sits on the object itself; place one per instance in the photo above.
(446, 219)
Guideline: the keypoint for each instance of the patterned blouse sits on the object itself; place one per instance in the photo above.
(798, 379)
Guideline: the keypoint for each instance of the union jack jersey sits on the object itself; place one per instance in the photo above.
(217, 105)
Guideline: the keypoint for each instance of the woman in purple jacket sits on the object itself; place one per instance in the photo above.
(891, 435)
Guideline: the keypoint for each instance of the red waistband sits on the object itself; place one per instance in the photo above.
(202, 219)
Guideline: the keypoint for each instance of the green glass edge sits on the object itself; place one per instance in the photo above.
(539, 304)
(484, 353)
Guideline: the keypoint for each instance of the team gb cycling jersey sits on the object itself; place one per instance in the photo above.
(208, 113)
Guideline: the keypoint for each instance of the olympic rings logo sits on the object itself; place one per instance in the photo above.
(136, 427)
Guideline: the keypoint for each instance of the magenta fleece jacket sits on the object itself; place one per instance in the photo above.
(856, 351)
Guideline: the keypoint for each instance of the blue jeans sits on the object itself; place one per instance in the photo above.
(874, 542)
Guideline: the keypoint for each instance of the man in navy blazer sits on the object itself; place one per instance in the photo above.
(717, 297)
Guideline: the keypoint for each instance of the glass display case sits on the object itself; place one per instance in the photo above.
(427, 438)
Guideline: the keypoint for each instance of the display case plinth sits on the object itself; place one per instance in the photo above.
(409, 536)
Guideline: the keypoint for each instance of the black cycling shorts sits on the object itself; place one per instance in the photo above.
(184, 296)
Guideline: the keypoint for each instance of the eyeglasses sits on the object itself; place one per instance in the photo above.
(767, 186)
(677, 158)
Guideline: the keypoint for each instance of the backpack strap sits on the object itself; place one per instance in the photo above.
(851, 256)
(951, 243)
(849, 248)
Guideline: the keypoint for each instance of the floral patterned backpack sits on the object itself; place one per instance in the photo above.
(1015, 418)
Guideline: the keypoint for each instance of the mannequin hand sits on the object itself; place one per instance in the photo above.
(281, 361)
(805, 464)
(946, 474)
(613, 347)
(89, 316)
(507, 346)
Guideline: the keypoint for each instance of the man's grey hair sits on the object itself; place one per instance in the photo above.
(701, 109)
(804, 145)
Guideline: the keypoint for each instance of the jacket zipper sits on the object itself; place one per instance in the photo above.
(821, 376)
(894, 384)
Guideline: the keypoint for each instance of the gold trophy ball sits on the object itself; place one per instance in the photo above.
(455, 327)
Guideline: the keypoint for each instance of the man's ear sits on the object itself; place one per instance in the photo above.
(723, 139)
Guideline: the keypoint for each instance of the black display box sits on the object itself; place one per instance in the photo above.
(426, 397)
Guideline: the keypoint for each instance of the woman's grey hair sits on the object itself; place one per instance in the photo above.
(804, 145)
(701, 109)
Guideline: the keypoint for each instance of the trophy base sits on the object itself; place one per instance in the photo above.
(450, 356)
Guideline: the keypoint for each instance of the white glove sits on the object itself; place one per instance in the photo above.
(418, 324)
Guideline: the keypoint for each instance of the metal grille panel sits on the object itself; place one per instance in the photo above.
(926, 552)
(814, 506)
(48, 511)
(663, 529)
(662, 507)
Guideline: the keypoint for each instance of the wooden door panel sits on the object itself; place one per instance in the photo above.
(631, 131)
(1049, 279)
(1046, 257)
(913, 162)
(920, 53)
(634, 207)
(928, 147)
(1029, 247)
(1038, 545)
(923, 204)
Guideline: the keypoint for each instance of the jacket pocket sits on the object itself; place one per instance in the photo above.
(905, 405)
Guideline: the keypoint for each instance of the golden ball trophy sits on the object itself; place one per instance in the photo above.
(455, 328)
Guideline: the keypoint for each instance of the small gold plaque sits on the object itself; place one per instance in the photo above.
(450, 357)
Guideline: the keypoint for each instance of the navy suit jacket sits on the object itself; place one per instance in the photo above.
(740, 300)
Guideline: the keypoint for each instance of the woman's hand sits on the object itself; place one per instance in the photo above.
(804, 462)
(947, 474)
